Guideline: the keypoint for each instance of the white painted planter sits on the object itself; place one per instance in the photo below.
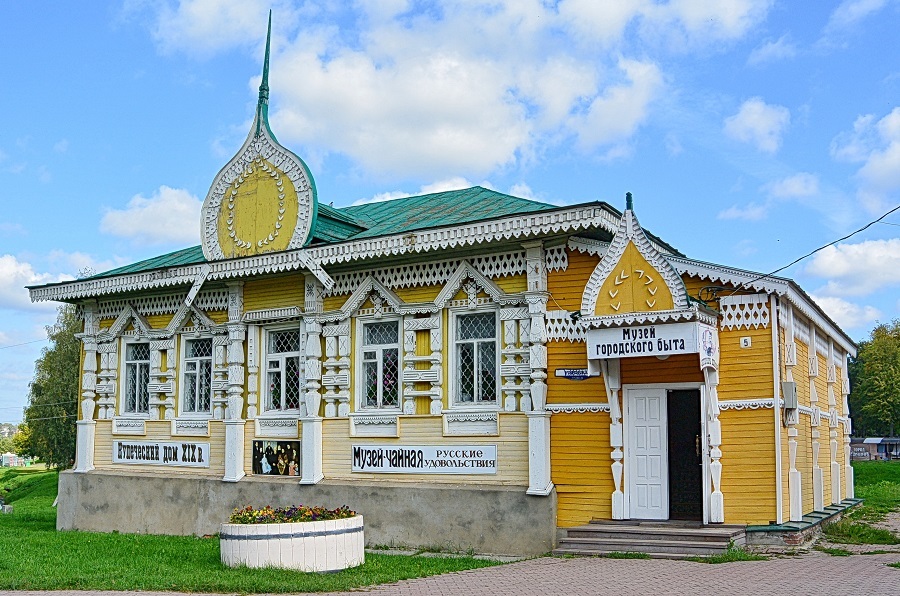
(304, 546)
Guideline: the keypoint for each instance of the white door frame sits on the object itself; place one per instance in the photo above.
(704, 433)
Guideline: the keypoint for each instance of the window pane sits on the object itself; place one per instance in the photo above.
(487, 371)
(199, 348)
(292, 383)
(190, 394)
(465, 373)
(381, 333)
(143, 404)
(281, 342)
(275, 390)
(370, 374)
(130, 387)
(137, 352)
(205, 389)
(390, 378)
(479, 326)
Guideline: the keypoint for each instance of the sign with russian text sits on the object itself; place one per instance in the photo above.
(425, 459)
(654, 340)
(157, 453)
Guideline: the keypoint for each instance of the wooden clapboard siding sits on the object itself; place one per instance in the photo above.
(512, 284)
(512, 450)
(566, 287)
(218, 316)
(419, 294)
(276, 291)
(804, 463)
(565, 354)
(680, 368)
(160, 430)
(748, 465)
(801, 374)
(580, 467)
(746, 373)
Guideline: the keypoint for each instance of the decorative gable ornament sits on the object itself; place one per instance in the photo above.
(264, 199)
(632, 277)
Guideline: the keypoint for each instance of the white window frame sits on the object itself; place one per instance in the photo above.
(453, 379)
(300, 328)
(123, 381)
(183, 362)
(360, 350)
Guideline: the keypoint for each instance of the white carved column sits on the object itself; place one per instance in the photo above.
(714, 431)
(831, 379)
(515, 368)
(220, 376)
(613, 384)
(792, 418)
(815, 420)
(539, 473)
(311, 437)
(409, 375)
(437, 396)
(234, 423)
(525, 402)
(329, 377)
(343, 369)
(109, 363)
(252, 371)
(86, 427)
(162, 384)
(849, 491)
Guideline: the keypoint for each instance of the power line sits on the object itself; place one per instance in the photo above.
(22, 344)
(823, 247)
(59, 403)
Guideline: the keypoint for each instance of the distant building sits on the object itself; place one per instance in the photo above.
(464, 367)
(875, 448)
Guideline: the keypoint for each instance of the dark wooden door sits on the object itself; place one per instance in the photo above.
(685, 455)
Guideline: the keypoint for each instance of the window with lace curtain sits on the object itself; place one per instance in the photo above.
(196, 392)
(136, 397)
(474, 366)
(380, 365)
(283, 373)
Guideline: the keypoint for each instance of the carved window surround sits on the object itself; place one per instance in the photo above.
(472, 423)
(372, 424)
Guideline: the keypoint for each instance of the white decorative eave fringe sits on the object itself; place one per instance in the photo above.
(692, 313)
(780, 286)
(516, 227)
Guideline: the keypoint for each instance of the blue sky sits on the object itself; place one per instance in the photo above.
(749, 131)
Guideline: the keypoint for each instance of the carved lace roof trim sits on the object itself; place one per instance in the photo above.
(692, 313)
(779, 286)
(509, 228)
(629, 230)
(585, 408)
(746, 404)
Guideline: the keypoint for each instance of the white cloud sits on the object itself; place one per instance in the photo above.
(759, 123)
(79, 262)
(61, 146)
(751, 212)
(14, 276)
(798, 185)
(876, 144)
(847, 315)
(850, 12)
(454, 183)
(462, 88)
(171, 215)
(12, 228)
(772, 51)
(673, 145)
(857, 269)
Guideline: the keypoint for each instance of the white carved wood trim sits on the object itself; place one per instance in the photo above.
(471, 424)
(128, 426)
(691, 313)
(561, 327)
(374, 425)
(583, 408)
(463, 272)
(589, 246)
(744, 311)
(269, 315)
(167, 303)
(190, 427)
(746, 404)
(276, 427)
(557, 259)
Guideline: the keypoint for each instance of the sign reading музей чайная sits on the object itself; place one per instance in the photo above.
(425, 459)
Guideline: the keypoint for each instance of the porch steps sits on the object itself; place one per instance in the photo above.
(660, 540)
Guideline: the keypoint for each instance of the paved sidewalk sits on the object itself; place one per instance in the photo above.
(814, 573)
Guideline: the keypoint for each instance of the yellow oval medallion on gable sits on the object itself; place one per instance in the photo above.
(633, 286)
(258, 212)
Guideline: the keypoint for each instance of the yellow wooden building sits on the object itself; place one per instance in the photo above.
(466, 368)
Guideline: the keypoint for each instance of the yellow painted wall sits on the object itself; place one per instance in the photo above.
(512, 450)
(274, 292)
(748, 466)
(566, 287)
(633, 286)
(580, 467)
(159, 430)
(746, 373)
(565, 354)
(680, 368)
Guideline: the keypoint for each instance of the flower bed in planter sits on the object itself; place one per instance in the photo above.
(328, 541)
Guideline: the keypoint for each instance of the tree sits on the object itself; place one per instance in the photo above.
(875, 379)
(6, 445)
(22, 441)
(53, 393)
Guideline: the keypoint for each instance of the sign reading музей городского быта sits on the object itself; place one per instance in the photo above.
(655, 340)
(160, 453)
(425, 459)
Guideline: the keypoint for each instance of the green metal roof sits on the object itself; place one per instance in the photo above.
(382, 218)
(448, 208)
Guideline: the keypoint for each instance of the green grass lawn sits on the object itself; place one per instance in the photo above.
(34, 556)
(878, 483)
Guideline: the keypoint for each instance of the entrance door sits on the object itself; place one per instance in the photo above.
(685, 455)
(647, 466)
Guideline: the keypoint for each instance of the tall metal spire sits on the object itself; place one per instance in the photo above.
(262, 105)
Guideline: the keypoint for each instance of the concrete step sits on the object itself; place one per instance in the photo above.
(686, 547)
(601, 531)
(599, 553)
